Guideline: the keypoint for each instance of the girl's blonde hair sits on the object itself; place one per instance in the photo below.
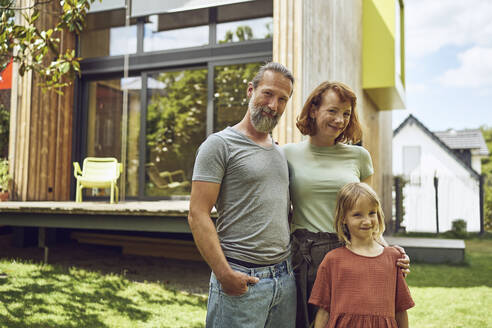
(346, 200)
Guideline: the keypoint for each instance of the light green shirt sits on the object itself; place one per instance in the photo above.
(316, 175)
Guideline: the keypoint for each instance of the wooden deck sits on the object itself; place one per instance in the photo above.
(154, 216)
(169, 216)
(431, 250)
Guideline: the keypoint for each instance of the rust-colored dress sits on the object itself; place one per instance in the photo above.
(360, 291)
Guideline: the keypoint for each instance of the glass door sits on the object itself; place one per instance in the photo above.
(105, 128)
(175, 128)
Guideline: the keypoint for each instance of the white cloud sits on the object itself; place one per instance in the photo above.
(431, 25)
(475, 69)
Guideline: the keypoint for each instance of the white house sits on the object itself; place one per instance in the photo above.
(429, 164)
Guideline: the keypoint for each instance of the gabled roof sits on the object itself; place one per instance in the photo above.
(412, 120)
(464, 139)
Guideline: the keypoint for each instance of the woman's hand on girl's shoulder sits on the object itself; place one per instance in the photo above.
(404, 261)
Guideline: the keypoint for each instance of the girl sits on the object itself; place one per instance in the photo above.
(358, 285)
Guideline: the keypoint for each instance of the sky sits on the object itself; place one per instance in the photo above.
(448, 64)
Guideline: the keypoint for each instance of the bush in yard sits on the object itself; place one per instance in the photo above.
(458, 229)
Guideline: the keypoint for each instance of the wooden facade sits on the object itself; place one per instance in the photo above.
(41, 130)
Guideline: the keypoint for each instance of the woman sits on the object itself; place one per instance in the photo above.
(319, 167)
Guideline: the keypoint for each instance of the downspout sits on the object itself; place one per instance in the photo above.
(436, 184)
(481, 179)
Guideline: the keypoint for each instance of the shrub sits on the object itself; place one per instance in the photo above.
(4, 174)
(458, 229)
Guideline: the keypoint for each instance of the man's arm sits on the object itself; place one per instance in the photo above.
(203, 197)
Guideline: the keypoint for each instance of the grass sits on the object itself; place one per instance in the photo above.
(36, 295)
(453, 296)
(33, 295)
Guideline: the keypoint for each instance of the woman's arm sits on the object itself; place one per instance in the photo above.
(322, 318)
(402, 319)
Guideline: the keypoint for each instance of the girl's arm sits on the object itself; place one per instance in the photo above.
(401, 319)
(322, 318)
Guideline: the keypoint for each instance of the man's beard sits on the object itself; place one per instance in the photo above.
(262, 123)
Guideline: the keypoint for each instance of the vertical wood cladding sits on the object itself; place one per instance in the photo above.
(41, 156)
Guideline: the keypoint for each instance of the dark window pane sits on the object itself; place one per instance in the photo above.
(105, 34)
(104, 119)
(110, 41)
(230, 98)
(104, 130)
(176, 116)
(104, 124)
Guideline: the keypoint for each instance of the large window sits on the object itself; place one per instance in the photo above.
(185, 77)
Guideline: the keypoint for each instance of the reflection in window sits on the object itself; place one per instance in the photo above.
(175, 127)
(108, 41)
(230, 98)
(155, 40)
(251, 29)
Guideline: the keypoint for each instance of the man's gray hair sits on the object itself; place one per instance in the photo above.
(275, 67)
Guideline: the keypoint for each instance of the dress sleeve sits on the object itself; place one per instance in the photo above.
(403, 300)
(366, 168)
(321, 293)
(211, 160)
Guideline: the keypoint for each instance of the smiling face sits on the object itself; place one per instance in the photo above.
(267, 102)
(362, 220)
(332, 118)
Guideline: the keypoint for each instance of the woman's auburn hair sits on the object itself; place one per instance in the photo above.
(347, 198)
(307, 125)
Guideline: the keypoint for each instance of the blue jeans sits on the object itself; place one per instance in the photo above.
(271, 302)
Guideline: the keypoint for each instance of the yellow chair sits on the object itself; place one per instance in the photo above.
(98, 172)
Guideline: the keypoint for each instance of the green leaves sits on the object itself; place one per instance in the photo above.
(39, 50)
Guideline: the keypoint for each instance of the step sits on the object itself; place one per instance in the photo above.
(431, 250)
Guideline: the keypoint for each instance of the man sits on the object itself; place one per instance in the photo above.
(242, 172)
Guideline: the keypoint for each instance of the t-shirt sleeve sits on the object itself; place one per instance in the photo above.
(366, 168)
(321, 293)
(403, 300)
(211, 160)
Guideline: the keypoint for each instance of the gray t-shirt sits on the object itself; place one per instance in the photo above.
(253, 199)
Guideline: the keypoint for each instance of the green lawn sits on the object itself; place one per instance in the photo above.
(454, 295)
(45, 296)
